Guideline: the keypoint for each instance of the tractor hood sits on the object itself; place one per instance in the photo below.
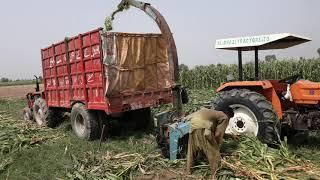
(306, 92)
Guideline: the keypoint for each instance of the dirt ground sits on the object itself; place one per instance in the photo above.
(17, 91)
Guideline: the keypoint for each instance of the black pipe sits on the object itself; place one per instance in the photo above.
(37, 84)
(256, 63)
(240, 64)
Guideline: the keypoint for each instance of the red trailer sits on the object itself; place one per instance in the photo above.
(113, 72)
(96, 75)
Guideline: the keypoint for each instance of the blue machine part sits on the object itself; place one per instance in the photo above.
(177, 130)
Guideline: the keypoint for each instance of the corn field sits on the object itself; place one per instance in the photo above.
(211, 76)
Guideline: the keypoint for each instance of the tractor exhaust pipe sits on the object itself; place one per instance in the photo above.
(37, 84)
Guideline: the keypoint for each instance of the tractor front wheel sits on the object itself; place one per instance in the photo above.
(45, 116)
(27, 115)
(253, 114)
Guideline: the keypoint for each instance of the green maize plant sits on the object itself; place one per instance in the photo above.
(211, 76)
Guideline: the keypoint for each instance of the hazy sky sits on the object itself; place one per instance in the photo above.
(29, 25)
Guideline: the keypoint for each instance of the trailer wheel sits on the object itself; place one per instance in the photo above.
(45, 116)
(253, 114)
(27, 115)
(84, 122)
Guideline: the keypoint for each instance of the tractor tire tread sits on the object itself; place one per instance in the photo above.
(52, 117)
(266, 131)
(28, 111)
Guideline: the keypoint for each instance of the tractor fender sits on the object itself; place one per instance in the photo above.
(263, 87)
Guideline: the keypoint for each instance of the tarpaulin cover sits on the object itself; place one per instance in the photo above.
(135, 62)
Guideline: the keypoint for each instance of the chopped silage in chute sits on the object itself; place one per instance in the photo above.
(108, 25)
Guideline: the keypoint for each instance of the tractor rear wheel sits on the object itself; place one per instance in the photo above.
(253, 114)
(45, 116)
(84, 122)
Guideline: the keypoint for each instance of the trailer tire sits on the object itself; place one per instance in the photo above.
(258, 108)
(84, 122)
(45, 116)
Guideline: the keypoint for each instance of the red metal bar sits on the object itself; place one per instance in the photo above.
(44, 77)
(68, 69)
(104, 79)
(84, 85)
(56, 76)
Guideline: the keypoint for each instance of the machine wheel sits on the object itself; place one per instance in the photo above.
(253, 114)
(84, 122)
(27, 115)
(45, 116)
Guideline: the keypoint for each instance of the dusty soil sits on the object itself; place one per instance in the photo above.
(17, 91)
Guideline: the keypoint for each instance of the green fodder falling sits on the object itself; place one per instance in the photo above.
(108, 21)
(108, 24)
(211, 76)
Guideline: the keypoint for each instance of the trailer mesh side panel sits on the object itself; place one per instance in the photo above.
(73, 71)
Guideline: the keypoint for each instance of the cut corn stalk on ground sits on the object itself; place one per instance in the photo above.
(137, 156)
